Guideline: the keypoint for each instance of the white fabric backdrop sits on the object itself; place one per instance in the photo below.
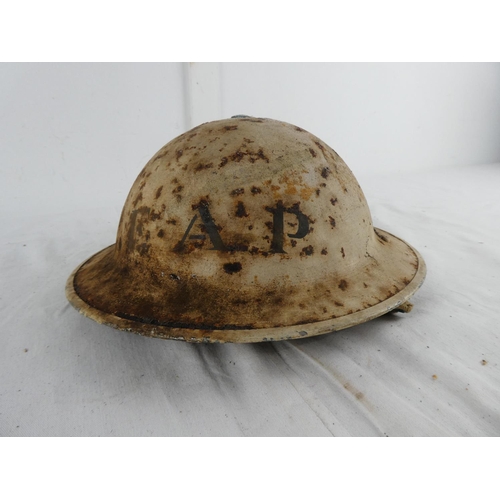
(418, 374)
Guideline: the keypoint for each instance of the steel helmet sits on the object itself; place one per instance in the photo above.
(245, 230)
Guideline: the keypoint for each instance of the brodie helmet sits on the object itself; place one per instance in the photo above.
(245, 230)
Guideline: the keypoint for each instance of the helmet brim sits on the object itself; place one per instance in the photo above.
(151, 328)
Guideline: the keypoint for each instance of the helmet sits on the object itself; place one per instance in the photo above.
(245, 230)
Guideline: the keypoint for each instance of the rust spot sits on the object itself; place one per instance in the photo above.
(240, 210)
(204, 167)
(323, 185)
(175, 180)
(161, 233)
(232, 267)
(269, 225)
(294, 243)
(161, 155)
(237, 157)
(254, 250)
(342, 252)
(324, 251)
(223, 162)
(333, 201)
(231, 127)
(332, 221)
(343, 285)
(253, 157)
(137, 199)
(325, 172)
(261, 155)
(406, 281)
(178, 189)
(255, 190)
(313, 153)
(309, 250)
(204, 202)
(317, 192)
(320, 146)
(173, 222)
(298, 129)
(178, 153)
(158, 192)
(381, 236)
(250, 227)
(365, 285)
(237, 192)
(338, 304)
(143, 249)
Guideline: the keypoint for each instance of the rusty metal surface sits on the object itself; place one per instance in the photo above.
(244, 230)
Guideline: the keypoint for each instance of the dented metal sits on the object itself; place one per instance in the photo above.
(245, 230)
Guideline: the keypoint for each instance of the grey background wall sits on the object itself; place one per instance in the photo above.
(69, 129)
(379, 116)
